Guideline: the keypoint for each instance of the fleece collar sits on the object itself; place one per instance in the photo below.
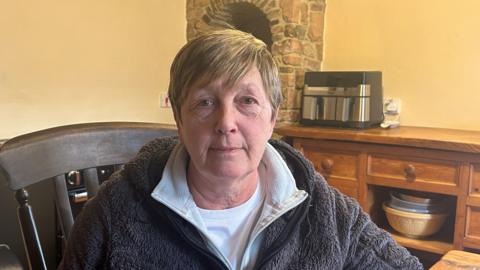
(275, 177)
(146, 169)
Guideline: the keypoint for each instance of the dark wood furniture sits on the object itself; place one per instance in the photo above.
(51, 153)
(367, 164)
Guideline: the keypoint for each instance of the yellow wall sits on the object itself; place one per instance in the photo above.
(69, 61)
(428, 51)
(64, 61)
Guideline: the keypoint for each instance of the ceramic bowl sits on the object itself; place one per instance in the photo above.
(415, 225)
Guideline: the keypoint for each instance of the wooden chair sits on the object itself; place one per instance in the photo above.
(51, 153)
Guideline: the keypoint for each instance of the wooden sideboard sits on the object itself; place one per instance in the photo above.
(367, 164)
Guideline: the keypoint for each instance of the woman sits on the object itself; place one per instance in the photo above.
(222, 196)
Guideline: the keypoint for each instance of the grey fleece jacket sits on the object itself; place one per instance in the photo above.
(123, 227)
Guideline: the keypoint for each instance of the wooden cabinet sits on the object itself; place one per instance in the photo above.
(472, 224)
(339, 167)
(472, 232)
(474, 187)
(368, 164)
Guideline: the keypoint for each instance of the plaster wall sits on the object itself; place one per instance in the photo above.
(427, 50)
(65, 62)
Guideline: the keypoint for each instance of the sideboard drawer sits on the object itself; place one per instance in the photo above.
(331, 159)
(472, 230)
(339, 167)
(333, 164)
(474, 183)
(413, 171)
(347, 188)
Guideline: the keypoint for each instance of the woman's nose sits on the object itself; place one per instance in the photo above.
(226, 119)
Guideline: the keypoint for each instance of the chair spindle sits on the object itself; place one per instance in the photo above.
(29, 231)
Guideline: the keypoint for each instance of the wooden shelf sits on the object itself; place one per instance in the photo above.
(424, 137)
(433, 245)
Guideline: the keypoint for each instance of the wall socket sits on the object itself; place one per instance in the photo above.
(392, 106)
(164, 100)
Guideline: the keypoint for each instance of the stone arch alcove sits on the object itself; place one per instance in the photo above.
(248, 18)
(293, 30)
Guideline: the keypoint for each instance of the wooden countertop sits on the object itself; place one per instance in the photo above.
(434, 138)
(456, 259)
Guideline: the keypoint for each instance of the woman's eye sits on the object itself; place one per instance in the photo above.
(249, 100)
(202, 108)
(249, 106)
(205, 103)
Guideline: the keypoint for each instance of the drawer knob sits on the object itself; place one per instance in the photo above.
(327, 165)
(410, 173)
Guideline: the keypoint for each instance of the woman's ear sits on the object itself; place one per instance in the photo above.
(177, 118)
(274, 116)
(178, 121)
(273, 120)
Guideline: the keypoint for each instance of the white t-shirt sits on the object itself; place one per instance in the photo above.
(228, 228)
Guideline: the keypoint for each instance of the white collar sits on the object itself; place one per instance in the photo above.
(172, 190)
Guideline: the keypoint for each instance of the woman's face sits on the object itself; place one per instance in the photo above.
(225, 130)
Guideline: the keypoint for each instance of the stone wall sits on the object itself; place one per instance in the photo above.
(297, 33)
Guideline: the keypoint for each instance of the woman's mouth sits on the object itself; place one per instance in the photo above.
(225, 149)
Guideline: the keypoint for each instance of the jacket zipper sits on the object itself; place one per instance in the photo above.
(280, 243)
(195, 244)
(299, 213)
(199, 247)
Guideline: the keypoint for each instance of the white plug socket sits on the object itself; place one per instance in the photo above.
(392, 106)
(164, 100)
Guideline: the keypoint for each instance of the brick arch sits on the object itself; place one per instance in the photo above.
(297, 34)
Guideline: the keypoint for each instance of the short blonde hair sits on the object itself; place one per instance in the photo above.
(229, 53)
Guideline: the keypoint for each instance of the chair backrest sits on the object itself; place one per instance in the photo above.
(52, 153)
